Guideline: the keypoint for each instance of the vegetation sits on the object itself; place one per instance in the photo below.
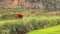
(51, 30)
(28, 24)
(32, 20)
(35, 17)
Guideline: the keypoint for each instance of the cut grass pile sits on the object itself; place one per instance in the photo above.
(51, 30)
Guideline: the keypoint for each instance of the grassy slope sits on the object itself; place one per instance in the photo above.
(52, 30)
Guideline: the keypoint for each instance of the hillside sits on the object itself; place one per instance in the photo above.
(50, 5)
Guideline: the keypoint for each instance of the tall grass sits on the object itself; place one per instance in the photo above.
(28, 24)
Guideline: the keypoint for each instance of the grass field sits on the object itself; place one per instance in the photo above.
(51, 30)
(32, 20)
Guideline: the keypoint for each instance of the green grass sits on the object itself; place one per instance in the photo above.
(28, 24)
(51, 30)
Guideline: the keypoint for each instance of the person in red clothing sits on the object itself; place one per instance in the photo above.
(19, 16)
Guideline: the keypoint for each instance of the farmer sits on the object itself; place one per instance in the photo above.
(19, 16)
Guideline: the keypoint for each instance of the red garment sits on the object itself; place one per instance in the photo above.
(19, 15)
